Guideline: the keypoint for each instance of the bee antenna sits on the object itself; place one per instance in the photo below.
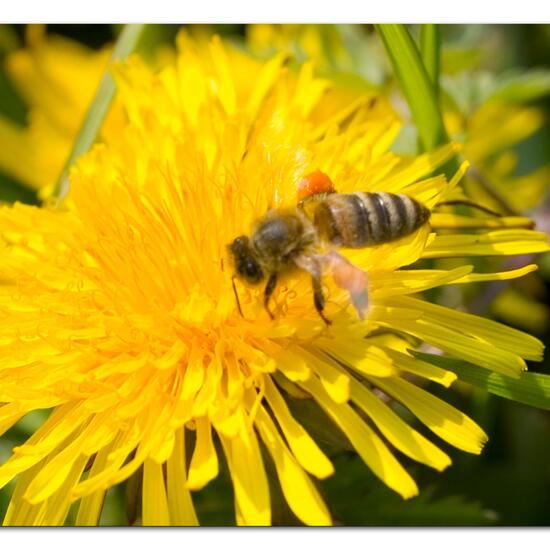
(472, 205)
(237, 296)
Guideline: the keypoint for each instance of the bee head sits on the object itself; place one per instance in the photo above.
(247, 266)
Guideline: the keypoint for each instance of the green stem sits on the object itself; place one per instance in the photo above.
(126, 43)
(531, 388)
(415, 83)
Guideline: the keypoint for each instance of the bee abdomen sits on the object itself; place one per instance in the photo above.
(358, 220)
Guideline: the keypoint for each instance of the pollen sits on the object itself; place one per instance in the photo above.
(314, 184)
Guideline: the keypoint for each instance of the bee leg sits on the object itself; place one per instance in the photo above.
(268, 291)
(312, 265)
(237, 297)
(318, 298)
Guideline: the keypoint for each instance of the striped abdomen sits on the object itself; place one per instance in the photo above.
(367, 219)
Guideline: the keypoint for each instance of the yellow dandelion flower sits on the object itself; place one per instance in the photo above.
(118, 312)
(321, 44)
(489, 135)
(491, 130)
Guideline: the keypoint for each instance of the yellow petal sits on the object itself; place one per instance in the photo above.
(204, 464)
(421, 368)
(334, 380)
(57, 506)
(99, 433)
(122, 445)
(227, 421)
(398, 432)
(304, 448)
(180, 505)
(493, 243)
(411, 281)
(357, 354)
(267, 77)
(163, 446)
(54, 474)
(14, 154)
(20, 512)
(248, 475)
(226, 86)
(10, 413)
(516, 307)
(500, 276)
(144, 436)
(443, 419)
(207, 394)
(60, 425)
(89, 509)
(299, 491)
(194, 375)
(463, 346)
(154, 500)
(122, 364)
(419, 167)
(171, 357)
(292, 365)
(308, 89)
(460, 173)
(369, 446)
(501, 336)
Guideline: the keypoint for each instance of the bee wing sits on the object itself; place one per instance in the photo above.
(350, 278)
(345, 274)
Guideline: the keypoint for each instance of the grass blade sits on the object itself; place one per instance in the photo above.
(415, 83)
(430, 43)
(531, 388)
(126, 43)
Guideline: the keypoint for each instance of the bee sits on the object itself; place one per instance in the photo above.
(306, 237)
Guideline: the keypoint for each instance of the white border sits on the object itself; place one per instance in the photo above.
(274, 11)
(256, 11)
(274, 538)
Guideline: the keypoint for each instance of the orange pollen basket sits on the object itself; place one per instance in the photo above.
(313, 184)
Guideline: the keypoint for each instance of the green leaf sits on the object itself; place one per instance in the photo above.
(357, 498)
(531, 388)
(430, 45)
(522, 87)
(112, 513)
(448, 510)
(456, 59)
(124, 46)
(367, 55)
(468, 90)
(415, 83)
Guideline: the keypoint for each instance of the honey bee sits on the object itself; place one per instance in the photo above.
(305, 237)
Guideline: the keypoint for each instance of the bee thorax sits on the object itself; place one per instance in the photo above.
(280, 237)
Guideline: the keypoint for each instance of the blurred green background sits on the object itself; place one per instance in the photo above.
(509, 484)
